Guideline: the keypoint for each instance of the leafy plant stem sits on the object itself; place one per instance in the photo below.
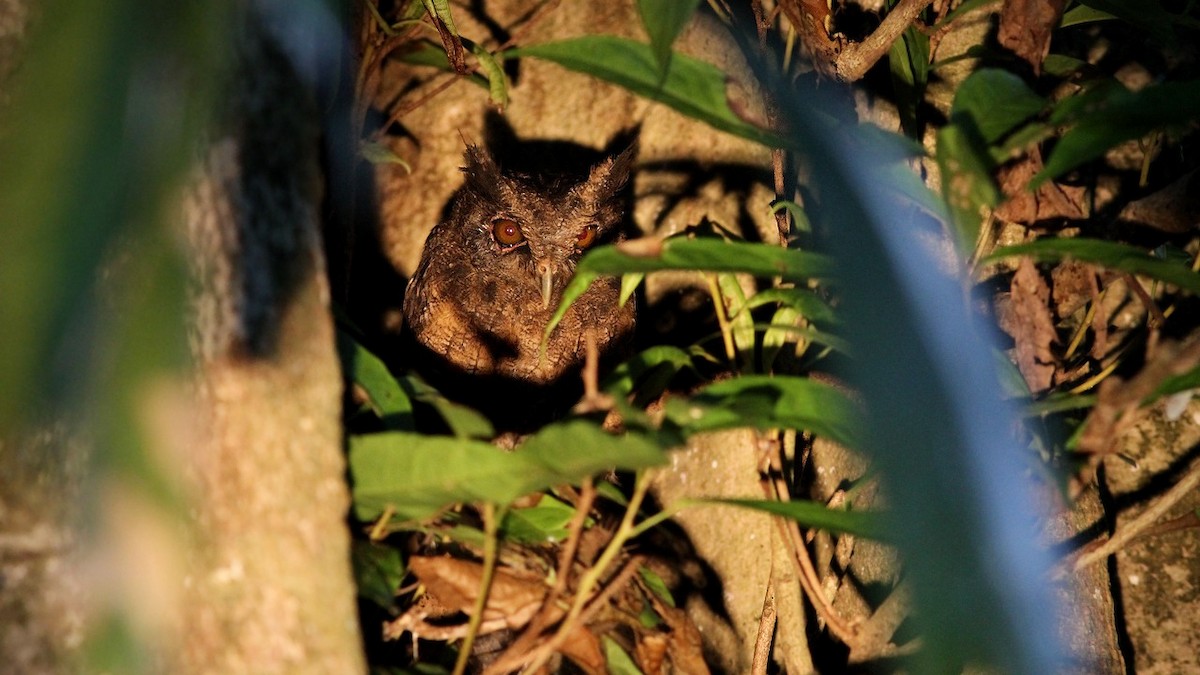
(379, 529)
(491, 525)
(722, 319)
(588, 582)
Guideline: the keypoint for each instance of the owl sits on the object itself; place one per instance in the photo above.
(492, 274)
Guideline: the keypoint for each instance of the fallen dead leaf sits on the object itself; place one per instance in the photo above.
(1048, 202)
(1031, 326)
(1025, 28)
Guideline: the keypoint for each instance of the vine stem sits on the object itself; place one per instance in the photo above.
(491, 545)
(588, 582)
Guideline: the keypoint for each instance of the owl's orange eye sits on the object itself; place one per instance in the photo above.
(586, 237)
(506, 232)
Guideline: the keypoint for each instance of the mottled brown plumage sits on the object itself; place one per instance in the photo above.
(493, 273)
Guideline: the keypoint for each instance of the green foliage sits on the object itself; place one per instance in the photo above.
(664, 19)
(693, 87)
(812, 514)
(417, 475)
(378, 571)
(1110, 254)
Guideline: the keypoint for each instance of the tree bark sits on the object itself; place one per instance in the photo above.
(270, 584)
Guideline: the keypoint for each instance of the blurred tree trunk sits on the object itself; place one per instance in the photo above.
(271, 589)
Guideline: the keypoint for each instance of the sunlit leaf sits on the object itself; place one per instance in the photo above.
(617, 661)
(418, 475)
(812, 514)
(996, 100)
(664, 19)
(693, 87)
(547, 521)
(1109, 254)
(650, 370)
(810, 305)
(681, 253)
(769, 402)
(385, 395)
(497, 81)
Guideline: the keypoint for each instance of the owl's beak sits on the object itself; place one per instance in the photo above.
(547, 285)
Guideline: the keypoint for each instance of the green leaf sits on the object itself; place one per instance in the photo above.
(769, 402)
(693, 87)
(1175, 384)
(1081, 14)
(385, 395)
(539, 524)
(497, 81)
(812, 514)
(1145, 15)
(463, 421)
(570, 450)
(378, 571)
(909, 63)
(810, 305)
(967, 183)
(664, 20)
(1108, 254)
(617, 661)
(378, 153)
(1111, 115)
(741, 323)
(418, 475)
(997, 101)
(682, 253)
(656, 585)
(651, 369)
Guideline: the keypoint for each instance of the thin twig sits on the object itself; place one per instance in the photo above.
(1145, 519)
(491, 527)
(856, 59)
(766, 630)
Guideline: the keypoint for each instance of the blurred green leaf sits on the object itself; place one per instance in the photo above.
(664, 19)
(378, 571)
(539, 524)
(1107, 116)
(812, 514)
(575, 448)
(741, 323)
(650, 370)
(417, 475)
(378, 153)
(996, 100)
(1109, 254)
(769, 402)
(656, 585)
(693, 87)
(617, 662)
(967, 184)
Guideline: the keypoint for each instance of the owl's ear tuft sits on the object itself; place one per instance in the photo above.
(483, 175)
(608, 177)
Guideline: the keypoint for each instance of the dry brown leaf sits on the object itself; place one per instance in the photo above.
(1025, 28)
(583, 648)
(651, 653)
(1031, 326)
(514, 597)
(1050, 201)
(1175, 208)
(684, 642)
